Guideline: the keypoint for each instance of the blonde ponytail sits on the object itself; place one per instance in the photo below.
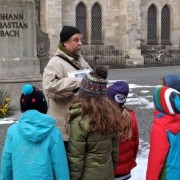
(125, 124)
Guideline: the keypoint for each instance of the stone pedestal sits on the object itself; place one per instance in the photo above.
(14, 85)
(18, 52)
(18, 41)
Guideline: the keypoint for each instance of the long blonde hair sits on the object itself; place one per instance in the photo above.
(125, 124)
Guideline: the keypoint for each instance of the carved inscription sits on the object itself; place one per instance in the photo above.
(10, 24)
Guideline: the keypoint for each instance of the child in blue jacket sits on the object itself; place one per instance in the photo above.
(34, 147)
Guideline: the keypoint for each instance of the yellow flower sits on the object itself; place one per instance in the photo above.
(4, 103)
(7, 99)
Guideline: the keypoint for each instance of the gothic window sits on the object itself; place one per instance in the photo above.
(96, 24)
(152, 25)
(81, 20)
(165, 25)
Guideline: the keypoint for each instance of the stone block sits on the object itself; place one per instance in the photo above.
(18, 41)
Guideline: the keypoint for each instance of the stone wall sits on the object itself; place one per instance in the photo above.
(110, 17)
(175, 19)
(55, 14)
(130, 30)
(51, 21)
(14, 86)
(124, 22)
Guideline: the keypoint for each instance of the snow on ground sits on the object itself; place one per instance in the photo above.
(7, 120)
(140, 86)
(145, 91)
(139, 172)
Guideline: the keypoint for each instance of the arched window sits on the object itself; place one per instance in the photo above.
(81, 21)
(165, 25)
(152, 25)
(96, 24)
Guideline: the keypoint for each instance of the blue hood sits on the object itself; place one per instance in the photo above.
(35, 126)
(172, 81)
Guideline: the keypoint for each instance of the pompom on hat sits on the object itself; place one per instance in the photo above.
(118, 92)
(32, 98)
(67, 32)
(167, 100)
(94, 83)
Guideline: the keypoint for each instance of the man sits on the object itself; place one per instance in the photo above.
(57, 86)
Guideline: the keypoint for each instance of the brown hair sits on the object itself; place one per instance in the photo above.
(125, 124)
(102, 113)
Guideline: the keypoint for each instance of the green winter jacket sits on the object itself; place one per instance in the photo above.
(91, 155)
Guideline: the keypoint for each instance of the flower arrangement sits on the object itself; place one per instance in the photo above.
(4, 103)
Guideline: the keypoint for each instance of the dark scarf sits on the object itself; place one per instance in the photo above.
(62, 48)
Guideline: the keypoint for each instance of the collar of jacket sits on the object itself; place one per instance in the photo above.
(62, 48)
(77, 63)
(75, 110)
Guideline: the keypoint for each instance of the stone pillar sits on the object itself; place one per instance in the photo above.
(131, 31)
(18, 41)
(53, 21)
(18, 52)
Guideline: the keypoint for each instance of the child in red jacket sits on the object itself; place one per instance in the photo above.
(164, 153)
(129, 138)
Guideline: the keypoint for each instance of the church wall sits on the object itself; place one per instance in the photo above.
(51, 21)
(110, 18)
(174, 22)
(175, 38)
(57, 13)
(124, 22)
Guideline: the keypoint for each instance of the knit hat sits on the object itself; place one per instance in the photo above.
(32, 98)
(167, 100)
(118, 92)
(94, 83)
(67, 32)
(172, 81)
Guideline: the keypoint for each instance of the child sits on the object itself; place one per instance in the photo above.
(164, 154)
(93, 143)
(172, 81)
(129, 138)
(34, 147)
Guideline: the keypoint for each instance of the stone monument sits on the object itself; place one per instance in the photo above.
(18, 47)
